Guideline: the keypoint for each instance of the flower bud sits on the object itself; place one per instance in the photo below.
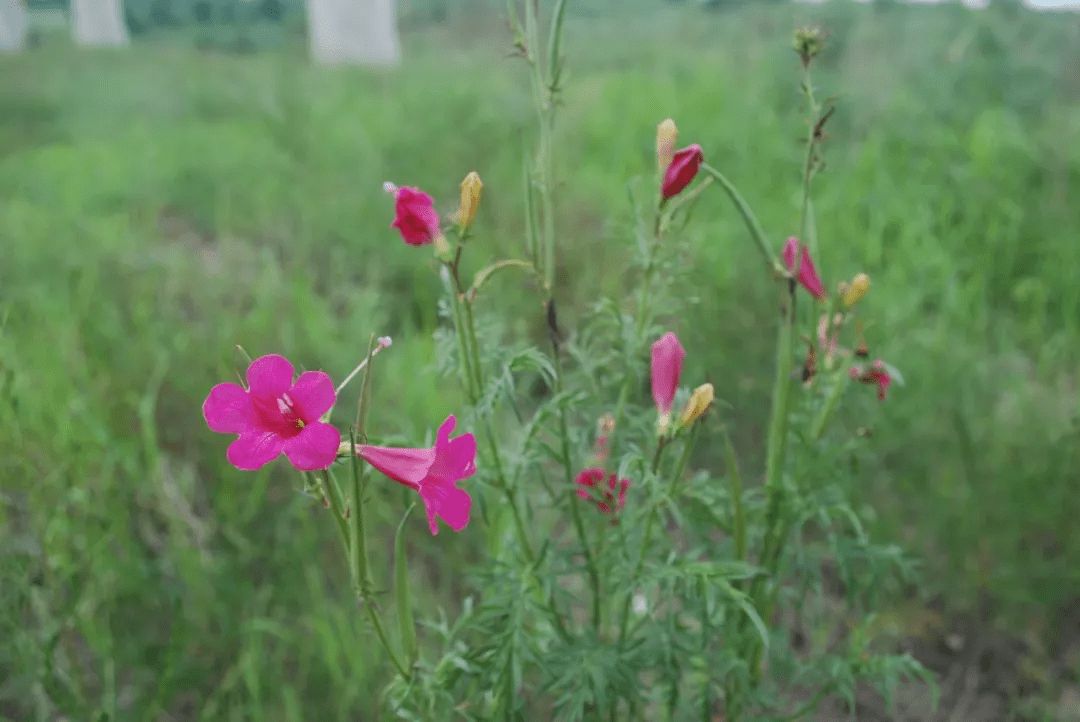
(667, 361)
(698, 404)
(666, 135)
(809, 41)
(414, 215)
(684, 166)
(858, 288)
(471, 190)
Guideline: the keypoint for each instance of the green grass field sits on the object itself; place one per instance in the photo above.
(160, 205)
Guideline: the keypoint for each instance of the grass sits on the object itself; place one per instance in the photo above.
(160, 205)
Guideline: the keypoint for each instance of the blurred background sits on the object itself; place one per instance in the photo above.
(208, 185)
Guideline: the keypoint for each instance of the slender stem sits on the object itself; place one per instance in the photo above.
(575, 511)
(808, 167)
(470, 330)
(468, 349)
(706, 701)
(359, 368)
(680, 469)
(471, 362)
(380, 632)
(747, 215)
(337, 507)
(543, 100)
(775, 526)
(639, 329)
(465, 357)
(776, 444)
(511, 495)
(358, 532)
(650, 521)
(832, 398)
(602, 525)
(738, 518)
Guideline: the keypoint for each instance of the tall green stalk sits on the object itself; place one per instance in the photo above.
(470, 359)
(776, 526)
(545, 86)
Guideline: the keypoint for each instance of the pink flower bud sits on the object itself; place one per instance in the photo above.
(415, 216)
(807, 276)
(684, 166)
(667, 360)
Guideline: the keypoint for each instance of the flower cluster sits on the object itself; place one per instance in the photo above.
(276, 415)
(637, 482)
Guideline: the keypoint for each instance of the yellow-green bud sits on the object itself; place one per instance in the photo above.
(666, 136)
(858, 288)
(471, 190)
(698, 404)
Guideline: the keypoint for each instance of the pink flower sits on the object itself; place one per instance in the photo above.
(275, 415)
(433, 472)
(591, 479)
(667, 360)
(414, 216)
(808, 275)
(682, 169)
(875, 375)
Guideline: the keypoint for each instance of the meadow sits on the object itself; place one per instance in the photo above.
(162, 204)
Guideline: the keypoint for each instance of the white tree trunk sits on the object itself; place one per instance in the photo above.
(98, 22)
(353, 32)
(12, 26)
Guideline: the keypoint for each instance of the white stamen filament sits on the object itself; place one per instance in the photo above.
(383, 342)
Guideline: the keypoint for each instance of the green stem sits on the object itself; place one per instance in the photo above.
(738, 518)
(650, 521)
(808, 166)
(684, 460)
(639, 330)
(542, 98)
(467, 349)
(575, 510)
(357, 530)
(747, 215)
(470, 328)
(706, 702)
(775, 526)
(832, 398)
(380, 632)
(465, 357)
(337, 507)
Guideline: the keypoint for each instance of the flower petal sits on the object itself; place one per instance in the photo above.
(270, 375)
(791, 246)
(447, 502)
(681, 171)
(414, 216)
(667, 360)
(455, 459)
(313, 393)
(315, 447)
(807, 276)
(405, 466)
(227, 409)
(255, 449)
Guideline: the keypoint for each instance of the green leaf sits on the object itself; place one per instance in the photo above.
(743, 602)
